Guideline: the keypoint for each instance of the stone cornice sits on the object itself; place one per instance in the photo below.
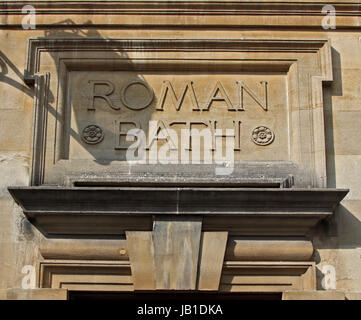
(184, 14)
(163, 7)
(177, 200)
(112, 211)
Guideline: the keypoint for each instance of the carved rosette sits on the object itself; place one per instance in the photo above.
(92, 134)
(262, 136)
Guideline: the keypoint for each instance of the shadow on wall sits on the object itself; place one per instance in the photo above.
(5, 64)
(68, 30)
(342, 231)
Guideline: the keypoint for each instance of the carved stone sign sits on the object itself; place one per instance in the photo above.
(255, 104)
(157, 102)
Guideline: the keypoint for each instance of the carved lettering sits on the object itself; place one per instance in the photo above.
(217, 133)
(195, 144)
(195, 132)
(163, 136)
(167, 88)
(243, 88)
(219, 90)
(138, 100)
(119, 125)
(141, 100)
(104, 96)
(158, 131)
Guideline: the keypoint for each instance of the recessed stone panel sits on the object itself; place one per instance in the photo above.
(105, 105)
(237, 106)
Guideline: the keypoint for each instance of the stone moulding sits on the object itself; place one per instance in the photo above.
(184, 7)
(41, 87)
(237, 248)
(240, 276)
(86, 275)
(36, 46)
(305, 14)
(243, 276)
(112, 211)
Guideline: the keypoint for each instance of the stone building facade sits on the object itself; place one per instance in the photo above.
(104, 106)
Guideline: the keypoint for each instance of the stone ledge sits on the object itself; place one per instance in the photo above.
(107, 210)
(313, 295)
(353, 295)
(33, 294)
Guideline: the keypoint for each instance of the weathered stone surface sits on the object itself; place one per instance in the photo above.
(313, 295)
(219, 104)
(14, 170)
(267, 276)
(339, 248)
(36, 294)
(248, 211)
(347, 167)
(3, 294)
(271, 249)
(45, 110)
(353, 295)
(142, 259)
(176, 252)
(212, 249)
(97, 249)
(86, 275)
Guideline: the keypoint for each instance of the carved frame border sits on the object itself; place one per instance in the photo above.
(276, 276)
(41, 82)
